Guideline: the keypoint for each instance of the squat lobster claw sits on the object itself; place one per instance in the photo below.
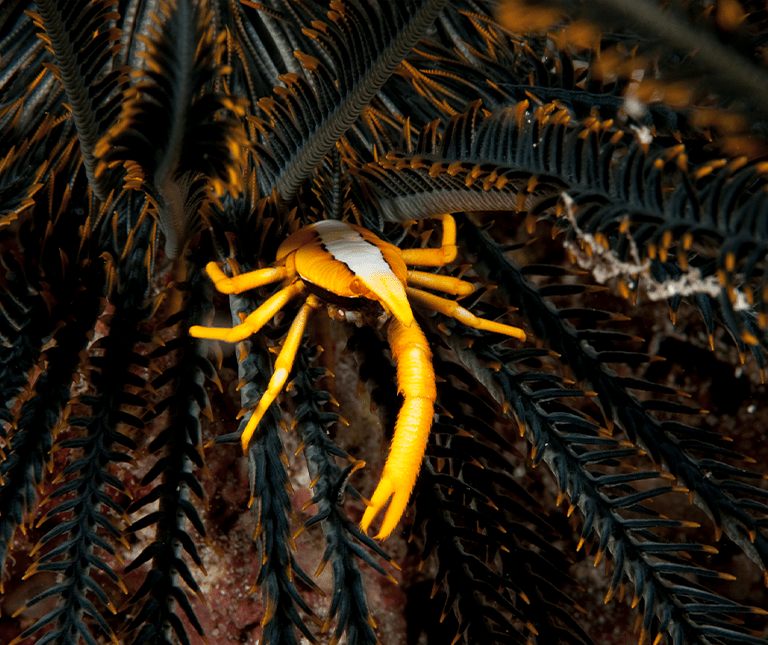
(333, 261)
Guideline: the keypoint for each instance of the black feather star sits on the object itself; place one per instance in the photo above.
(605, 162)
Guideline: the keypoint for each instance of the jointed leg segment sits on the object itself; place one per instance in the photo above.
(436, 257)
(455, 310)
(283, 366)
(254, 322)
(444, 283)
(244, 281)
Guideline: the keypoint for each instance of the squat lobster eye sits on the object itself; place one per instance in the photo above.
(332, 260)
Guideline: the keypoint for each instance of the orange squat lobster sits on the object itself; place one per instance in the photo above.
(349, 263)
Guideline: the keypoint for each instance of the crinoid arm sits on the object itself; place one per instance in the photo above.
(245, 281)
(455, 310)
(283, 366)
(252, 323)
(416, 382)
(436, 257)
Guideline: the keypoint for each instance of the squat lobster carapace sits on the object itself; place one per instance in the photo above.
(335, 261)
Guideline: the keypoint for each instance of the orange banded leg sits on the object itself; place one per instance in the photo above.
(436, 257)
(244, 281)
(455, 310)
(283, 366)
(444, 283)
(254, 322)
(416, 381)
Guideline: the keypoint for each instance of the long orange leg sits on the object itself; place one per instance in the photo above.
(244, 281)
(444, 283)
(416, 381)
(455, 310)
(283, 366)
(436, 257)
(254, 322)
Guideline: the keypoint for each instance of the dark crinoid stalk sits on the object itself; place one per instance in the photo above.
(605, 165)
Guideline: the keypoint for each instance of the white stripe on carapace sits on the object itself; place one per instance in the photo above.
(366, 261)
(349, 247)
